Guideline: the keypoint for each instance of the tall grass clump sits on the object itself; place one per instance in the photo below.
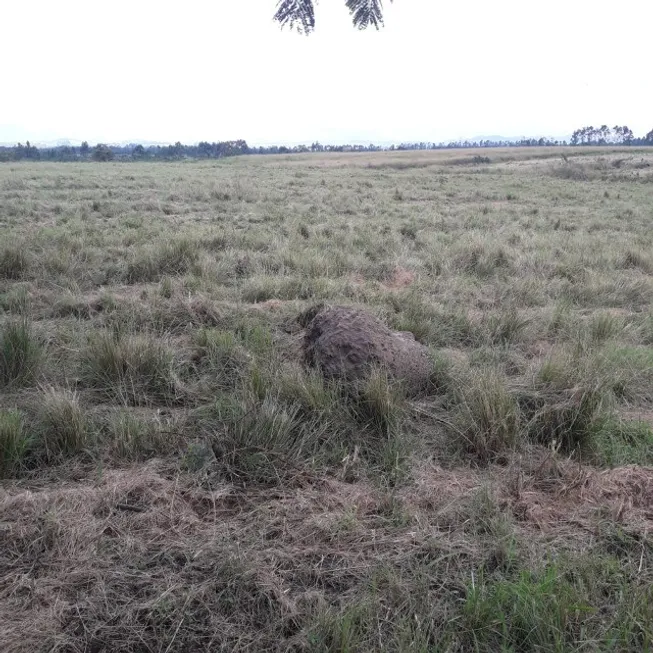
(488, 417)
(532, 612)
(570, 396)
(14, 263)
(174, 257)
(14, 441)
(482, 260)
(134, 370)
(222, 357)
(260, 442)
(62, 425)
(432, 325)
(378, 403)
(378, 407)
(132, 437)
(619, 442)
(20, 354)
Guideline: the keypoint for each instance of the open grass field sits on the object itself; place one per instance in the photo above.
(173, 479)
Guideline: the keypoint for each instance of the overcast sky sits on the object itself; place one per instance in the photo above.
(126, 70)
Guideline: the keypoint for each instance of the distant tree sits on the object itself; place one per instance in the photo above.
(139, 152)
(102, 152)
(648, 139)
(31, 152)
(300, 14)
(627, 135)
(84, 149)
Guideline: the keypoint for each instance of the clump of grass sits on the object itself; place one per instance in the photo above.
(175, 257)
(379, 403)
(134, 370)
(593, 597)
(222, 356)
(441, 379)
(262, 288)
(605, 326)
(260, 442)
(21, 354)
(637, 259)
(62, 425)
(506, 327)
(132, 437)
(568, 400)
(430, 324)
(623, 442)
(16, 300)
(534, 611)
(627, 372)
(14, 441)
(571, 171)
(488, 416)
(166, 288)
(14, 262)
(645, 330)
(483, 260)
(310, 391)
(559, 317)
(408, 231)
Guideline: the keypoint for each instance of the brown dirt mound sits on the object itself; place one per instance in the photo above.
(401, 278)
(343, 342)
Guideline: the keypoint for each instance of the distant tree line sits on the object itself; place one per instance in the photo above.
(604, 135)
(618, 135)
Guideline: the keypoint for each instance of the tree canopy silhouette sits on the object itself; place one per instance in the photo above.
(300, 14)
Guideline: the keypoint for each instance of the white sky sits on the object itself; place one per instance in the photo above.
(189, 70)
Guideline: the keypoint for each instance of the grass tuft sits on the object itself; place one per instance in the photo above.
(14, 263)
(133, 438)
(21, 354)
(173, 258)
(133, 370)
(534, 612)
(14, 442)
(488, 416)
(62, 425)
(222, 357)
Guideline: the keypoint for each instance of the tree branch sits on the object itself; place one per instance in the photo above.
(300, 14)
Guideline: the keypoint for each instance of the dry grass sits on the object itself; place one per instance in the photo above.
(173, 480)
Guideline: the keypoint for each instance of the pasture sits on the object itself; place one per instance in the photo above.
(173, 479)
